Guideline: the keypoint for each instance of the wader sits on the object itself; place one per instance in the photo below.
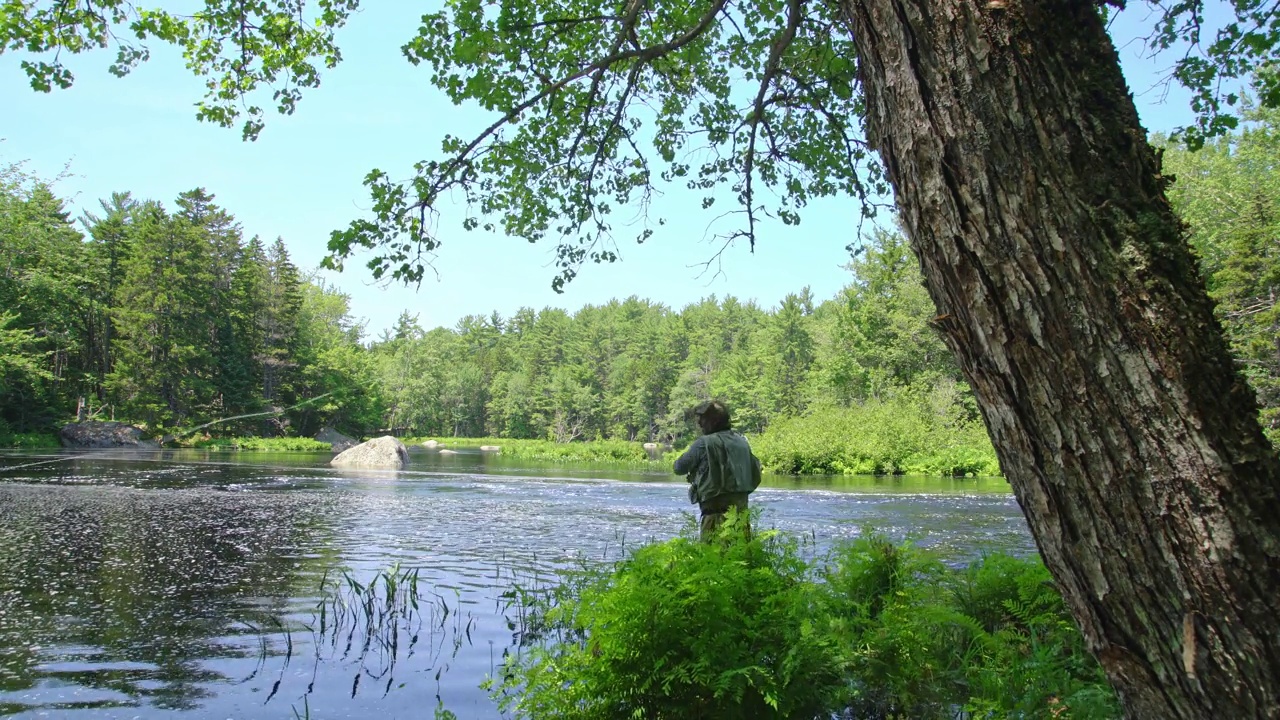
(716, 509)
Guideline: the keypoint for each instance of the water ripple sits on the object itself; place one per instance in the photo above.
(144, 585)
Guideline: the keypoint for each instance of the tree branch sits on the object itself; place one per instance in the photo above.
(642, 55)
(780, 45)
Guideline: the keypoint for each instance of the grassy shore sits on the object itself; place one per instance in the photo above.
(258, 444)
(875, 444)
(872, 439)
(607, 452)
(29, 440)
(877, 439)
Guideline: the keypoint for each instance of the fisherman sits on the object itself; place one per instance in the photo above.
(721, 469)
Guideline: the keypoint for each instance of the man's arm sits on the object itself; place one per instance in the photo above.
(691, 458)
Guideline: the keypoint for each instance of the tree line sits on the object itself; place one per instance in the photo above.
(166, 317)
(171, 317)
(631, 369)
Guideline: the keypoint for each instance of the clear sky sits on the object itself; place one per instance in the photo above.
(302, 178)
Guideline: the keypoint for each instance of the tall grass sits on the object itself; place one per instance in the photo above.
(373, 623)
(880, 438)
(605, 452)
(762, 628)
(258, 444)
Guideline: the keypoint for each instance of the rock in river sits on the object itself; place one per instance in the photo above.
(336, 439)
(102, 435)
(382, 452)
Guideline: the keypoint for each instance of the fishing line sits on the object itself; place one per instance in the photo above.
(170, 438)
(45, 462)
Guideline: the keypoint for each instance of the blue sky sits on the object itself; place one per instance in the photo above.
(302, 178)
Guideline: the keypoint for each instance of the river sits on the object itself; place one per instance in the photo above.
(187, 584)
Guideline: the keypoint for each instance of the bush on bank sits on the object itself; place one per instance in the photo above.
(28, 440)
(594, 451)
(761, 629)
(260, 444)
(877, 438)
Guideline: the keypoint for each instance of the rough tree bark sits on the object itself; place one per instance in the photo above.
(1068, 292)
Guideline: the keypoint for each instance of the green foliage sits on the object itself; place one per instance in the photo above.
(881, 340)
(896, 436)
(22, 369)
(993, 638)
(44, 309)
(28, 440)
(1245, 45)
(600, 106)
(170, 319)
(164, 364)
(595, 108)
(611, 452)
(280, 444)
(857, 384)
(330, 360)
(242, 47)
(687, 630)
(1229, 195)
(759, 628)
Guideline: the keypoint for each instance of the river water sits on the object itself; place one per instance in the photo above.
(188, 584)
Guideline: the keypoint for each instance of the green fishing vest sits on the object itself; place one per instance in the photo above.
(727, 467)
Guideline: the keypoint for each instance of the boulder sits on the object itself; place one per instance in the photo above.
(431, 444)
(336, 439)
(448, 452)
(383, 452)
(490, 448)
(655, 450)
(95, 434)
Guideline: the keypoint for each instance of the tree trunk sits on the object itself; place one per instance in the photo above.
(1068, 292)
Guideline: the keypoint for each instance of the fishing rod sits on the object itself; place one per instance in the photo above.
(183, 433)
(174, 436)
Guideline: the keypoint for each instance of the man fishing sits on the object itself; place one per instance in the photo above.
(721, 469)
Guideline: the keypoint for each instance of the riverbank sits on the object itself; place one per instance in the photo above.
(866, 441)
(47, 440)
(609, 452)
(257, 444)
(29, 441)
(877, 438)
(821, 444)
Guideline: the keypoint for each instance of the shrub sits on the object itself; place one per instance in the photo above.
(29, 440)
(877, 438)
(755, 629)
(284, 444)
(608, 452)
(993, 639)
(684, 629)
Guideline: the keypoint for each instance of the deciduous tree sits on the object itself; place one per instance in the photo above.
(1026, 186)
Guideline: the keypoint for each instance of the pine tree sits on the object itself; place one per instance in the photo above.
(241, 336)
(164, 371)
(278, 356)
(110, 240)
(43, 280)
